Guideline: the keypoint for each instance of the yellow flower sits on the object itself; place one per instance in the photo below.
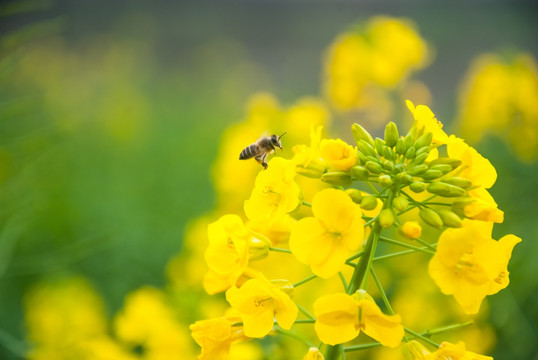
(307, 158)
(230, 244)
(215, 336)
(338, 154)
(425, 119)
(482, 207)
(327, 239)
(259, 302)
(411, 229)
(474, 166)
(341, 317)
(469, 264)
(313, 354)
(275, 192)
(413, 350)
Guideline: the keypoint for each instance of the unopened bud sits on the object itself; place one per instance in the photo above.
(337, 178)
(450, 219)
(444, 168)
(417, 187)
(373, 167)
(366, 148)
(413, 350)
(459, 206)
(391, 134)
(379, 145)
(432, 174)
(445, 160)
(359, 133)
(422, 150)
(404, 178)
(369, 202)
(388, 165)
(417, 169)
(386, 218)
(359, 173)
(424, 140)
(411, 230)
(410, 153)
(309, 171)
(431, 218)
(388, 153)
(420, 159)
(400, 203)
(458, 181)
(400, 147)
(444, 189)
(355, 195)
(313, 354)
(258, 247)
(283, 285)
(385, 180)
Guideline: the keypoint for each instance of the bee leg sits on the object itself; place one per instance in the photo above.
(261, 160)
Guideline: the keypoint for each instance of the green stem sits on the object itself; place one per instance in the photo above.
(287, 251)
(362, 346)
(305, 312)
(443, 329)
(305, 280)
(357, 279)
(399, 243)
(294, 335)
(343, 279)
(426, 244)
(422, 337)
(372, 187)
(333, 352)
(305, 321)
(388, 256)
(381, 291)
(307, 204)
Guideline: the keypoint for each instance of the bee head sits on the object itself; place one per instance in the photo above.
(275, 140)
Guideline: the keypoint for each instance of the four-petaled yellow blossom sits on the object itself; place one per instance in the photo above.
(275, 192)
(228, 252)
(215, 336)
(338, 153)
(413, 350)
(327, 239)
(425, 119)
(341, 317)
(259, 303)
(474, 166)
(411, 229)
(469, 264)
(313, 354)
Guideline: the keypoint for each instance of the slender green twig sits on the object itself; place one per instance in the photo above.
(421, 337)
(293, 335)
(388, 256)
(305, 312)
(305, 203)
(381, 291)
(443, 329)
(402, 244)
(343, 279)
(301, 282)
(287, 251)
(305, 321)
(426, 244)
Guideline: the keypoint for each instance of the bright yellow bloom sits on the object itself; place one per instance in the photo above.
(411, 229)
(469, 264)
(425, 119)
(259, 303)
(474, 166)
(307, 158)
(215, 336)
(341, 317)
(275, 192)
(338, 153)
(231, 245)
(313, 354)
(327, 239)
(414, 350)
(483, 207)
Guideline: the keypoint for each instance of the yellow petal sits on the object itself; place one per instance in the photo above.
(308, 241)
(336, 318)
(335, 210)
(386, 329)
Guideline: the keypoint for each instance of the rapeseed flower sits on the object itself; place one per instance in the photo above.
(469, 264)
(338, 154)
(259, 302)
(215, 336)
(341, 317)
(327, 239)
(425, 120)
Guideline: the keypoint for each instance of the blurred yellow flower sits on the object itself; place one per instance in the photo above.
(469, 264)
(338, 153)
(259, 303)
(455, 352)
(327, 239)
(313, 354)
(341, 317)
(275, 192)
(215, 336)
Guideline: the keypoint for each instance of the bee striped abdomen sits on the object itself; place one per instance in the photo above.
(249, 152)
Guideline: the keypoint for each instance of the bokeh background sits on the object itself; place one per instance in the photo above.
(111, 114)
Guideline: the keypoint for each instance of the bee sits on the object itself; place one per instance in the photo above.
(261, 148)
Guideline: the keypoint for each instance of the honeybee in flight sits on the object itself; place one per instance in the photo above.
(261, 148)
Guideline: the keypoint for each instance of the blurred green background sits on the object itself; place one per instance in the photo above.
(111, 113)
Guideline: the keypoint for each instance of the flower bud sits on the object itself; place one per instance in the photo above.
(431, 218)
(411, 230)
(404, 178)
(388, 153)
(373, 167)
(385, 180)
(361, 157)
(424, 140)
(379, 145)
(258, 247)
(388, 165)
(413, 350)
(432, 174)
(450, 219)
(420, 159)
(283, 285)
(337, 178)
(445, 160)
(391, 134)
(400, 147)
(355, 195)
(422, 150)
(359, 173)
(417, 169)
(359, 133)
(444, 168)
(458, 181)
(444, 189)
(366, 148)
(417, 187)
(459, 206)
(410, 153)
(400, 203)
(386, 218)
(313, 354)
(369, 202)
(310, 171)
